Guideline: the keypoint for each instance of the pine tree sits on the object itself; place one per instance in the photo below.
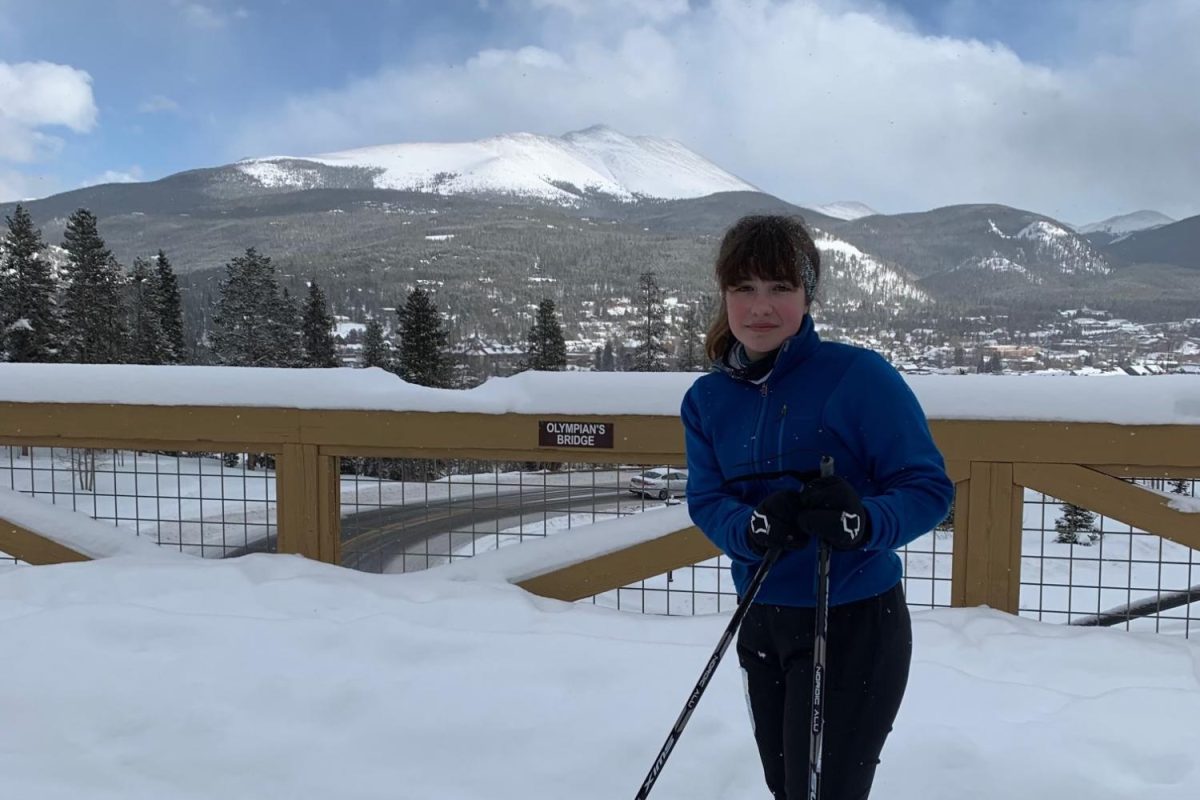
(28, 327)
(246, 329)
(947, 524)
(319, 350)
(285, 331)
(689, 355)
(608, 358)
(1179, 486)
(93, 307)
(375, 350)
(547, 348)
(1076, 520)
(147, 344)
(650, 355)
(170, 308)
(422, 339)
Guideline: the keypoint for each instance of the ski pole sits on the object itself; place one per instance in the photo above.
(816, 741)
(709, 669)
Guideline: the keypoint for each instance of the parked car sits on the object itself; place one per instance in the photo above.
(662, 482)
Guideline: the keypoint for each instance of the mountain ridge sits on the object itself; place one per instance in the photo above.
(563, 169)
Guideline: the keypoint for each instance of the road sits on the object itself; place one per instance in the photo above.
(372, 540)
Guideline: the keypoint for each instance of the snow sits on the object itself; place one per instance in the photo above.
(1188, 505)
(1122, 400)
(343, 329)
(866, 271)
(1127, 223)
(76, 531)
(846, 209)
(1001, 264)
(574, 546)
(273, 676)
(998, 263)
(1071, 254)
(553, 168)
(147, 674)
(1042, 230)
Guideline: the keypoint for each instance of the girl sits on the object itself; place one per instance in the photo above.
(756, 428)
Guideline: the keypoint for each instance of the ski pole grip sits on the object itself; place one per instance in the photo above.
(826, 466)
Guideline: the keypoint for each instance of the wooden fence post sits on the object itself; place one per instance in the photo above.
(987, 539)
(307, 503)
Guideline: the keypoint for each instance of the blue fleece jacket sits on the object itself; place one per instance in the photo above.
(821, 398)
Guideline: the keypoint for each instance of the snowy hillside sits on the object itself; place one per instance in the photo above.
(559, 169)
(866, 272)
(1072, 254)
(997, 263)
(1127, 223)
(847, 209)
(1046, 242)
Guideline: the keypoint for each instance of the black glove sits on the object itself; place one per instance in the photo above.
(830, 510)
(773, 523)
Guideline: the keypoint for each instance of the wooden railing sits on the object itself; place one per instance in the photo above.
(989, 461)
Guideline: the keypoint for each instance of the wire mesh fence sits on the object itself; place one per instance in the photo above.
(403, 515)
(1083, 568)
(707, 587)
(208, 504)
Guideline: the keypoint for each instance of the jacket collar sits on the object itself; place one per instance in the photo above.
(795, 350)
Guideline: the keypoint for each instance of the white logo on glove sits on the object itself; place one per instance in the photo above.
(759, 524)
(851, 524)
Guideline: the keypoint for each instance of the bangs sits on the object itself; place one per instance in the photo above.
(765, 252)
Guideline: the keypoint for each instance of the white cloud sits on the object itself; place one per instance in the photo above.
(35, 95)
(15, 186)
(816, 100)
(131, 175)
(157, 103)
(656, 10)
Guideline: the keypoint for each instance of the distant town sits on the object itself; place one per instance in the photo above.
(1080, 341)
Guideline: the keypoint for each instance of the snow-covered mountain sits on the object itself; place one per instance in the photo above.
(562, 169)
(846, 209)
(1127, 223)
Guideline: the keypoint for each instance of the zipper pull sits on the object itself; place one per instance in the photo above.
(762, 389)
(783, 411)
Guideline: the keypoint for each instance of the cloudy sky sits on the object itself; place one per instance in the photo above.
(1079, 110)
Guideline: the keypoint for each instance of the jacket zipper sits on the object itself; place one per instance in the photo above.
(779, 440)
(759, 427)
(765, 391)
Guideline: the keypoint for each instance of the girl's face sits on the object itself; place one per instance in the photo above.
(762, 313)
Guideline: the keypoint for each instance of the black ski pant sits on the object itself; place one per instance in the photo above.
(868, 651)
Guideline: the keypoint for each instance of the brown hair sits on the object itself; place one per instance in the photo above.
(773, 248)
